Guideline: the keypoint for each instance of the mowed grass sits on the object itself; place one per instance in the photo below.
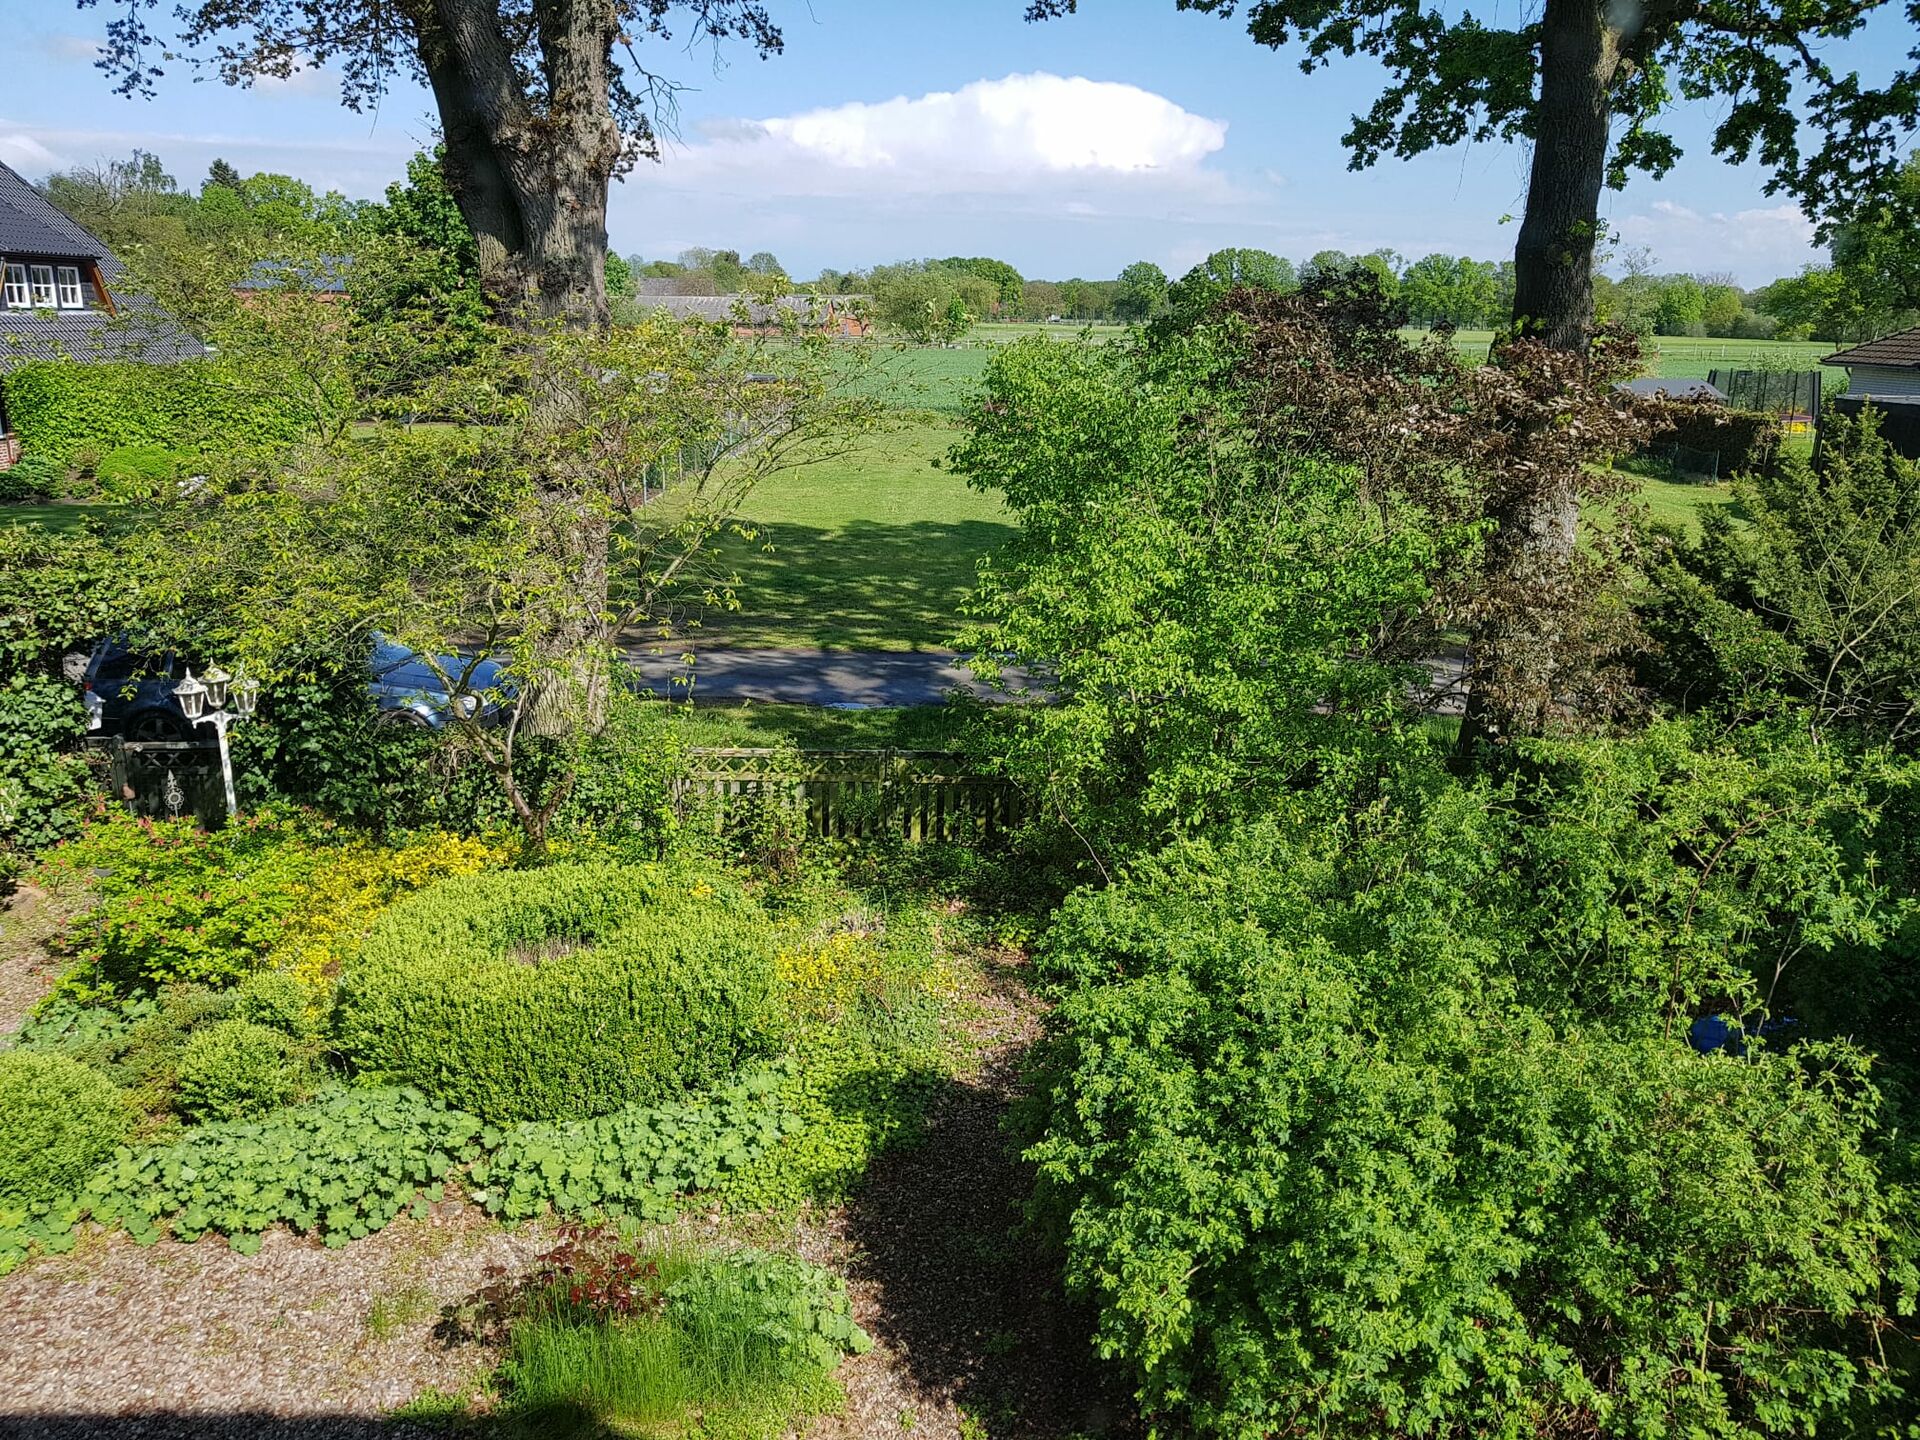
(1684, 357)
(875, 550)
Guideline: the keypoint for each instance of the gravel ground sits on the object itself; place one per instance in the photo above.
(117, 1340)
(29, 918)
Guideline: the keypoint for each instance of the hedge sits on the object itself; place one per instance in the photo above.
(1743, 439)
(63, 409)
(563, 993)
(58, 1119)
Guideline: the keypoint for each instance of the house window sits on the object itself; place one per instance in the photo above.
(70, 296)
(18, 296)
(43, 285)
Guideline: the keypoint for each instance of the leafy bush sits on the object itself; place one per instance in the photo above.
(237, 1068)
(276, 887)
(341, 1167)
(62, 408)
(564, 992)
(136, 1043)
(31, 477)
(1388, 1125)
(57, 593)
(1743, 439)
(277, 1000)
(58, 1120)
(141, 472)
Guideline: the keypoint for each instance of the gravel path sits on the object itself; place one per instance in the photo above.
(177, 1340)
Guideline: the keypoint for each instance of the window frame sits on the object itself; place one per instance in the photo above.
(16, 293)
(45, 295)
(62, 287)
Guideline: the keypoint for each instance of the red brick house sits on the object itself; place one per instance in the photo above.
(57, 298)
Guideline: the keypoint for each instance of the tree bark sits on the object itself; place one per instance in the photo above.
(1531, 551)
(530, 179)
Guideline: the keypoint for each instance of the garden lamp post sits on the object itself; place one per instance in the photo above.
(205, 702)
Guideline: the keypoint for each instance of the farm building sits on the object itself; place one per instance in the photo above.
(1886, 374)
(840, 314)
(57, 299)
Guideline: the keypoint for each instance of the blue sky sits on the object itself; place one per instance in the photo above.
(899, 128)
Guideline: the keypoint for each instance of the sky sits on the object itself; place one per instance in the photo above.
(897, 129)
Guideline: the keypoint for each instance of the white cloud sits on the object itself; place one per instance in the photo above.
(1756, 244)
(1019, 134)
(71, 47)
(27, 155)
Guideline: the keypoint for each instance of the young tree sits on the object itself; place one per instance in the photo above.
(541, 103)
(223, 175)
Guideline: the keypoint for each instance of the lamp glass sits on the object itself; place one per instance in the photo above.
(246, 694)
(216, 680)
(192, 696)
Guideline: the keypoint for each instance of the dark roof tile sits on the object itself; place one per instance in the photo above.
(29, 224)
(1898, 349)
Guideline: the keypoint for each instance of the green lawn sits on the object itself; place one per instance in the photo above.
(873, 551)
(1682, 504)
(1682, 357)
(63, 517)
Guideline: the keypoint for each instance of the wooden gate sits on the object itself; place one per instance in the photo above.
(167, 779)
(912, 794)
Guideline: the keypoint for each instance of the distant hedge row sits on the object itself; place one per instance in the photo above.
(63, 409)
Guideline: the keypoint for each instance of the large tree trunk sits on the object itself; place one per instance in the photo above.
(1516, 650)
(530, 178)
(530, 173)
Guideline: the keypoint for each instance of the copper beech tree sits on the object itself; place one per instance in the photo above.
(542, 103)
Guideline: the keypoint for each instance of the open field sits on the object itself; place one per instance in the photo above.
(873, 551)
(932, 377)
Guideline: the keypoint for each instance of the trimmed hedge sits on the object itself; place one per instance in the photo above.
(58, 1120)
(62, 408)
(563, 993)
(1743, 439)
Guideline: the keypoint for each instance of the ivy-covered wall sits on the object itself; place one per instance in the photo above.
(63, 409)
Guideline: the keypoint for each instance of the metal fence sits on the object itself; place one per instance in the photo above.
(1793, 395)
(843, 794)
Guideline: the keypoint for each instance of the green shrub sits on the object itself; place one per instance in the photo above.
(58, 1120)
(277, 1000)
(31, 477)
(63, 408)
(140, 472)
(237, 1068)
(564, 992)
(136, 1043)
(1391, 1127)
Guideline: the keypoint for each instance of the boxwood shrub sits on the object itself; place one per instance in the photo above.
(58, 1120)
(563, 993)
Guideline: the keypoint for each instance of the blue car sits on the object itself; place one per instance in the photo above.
(129, 692)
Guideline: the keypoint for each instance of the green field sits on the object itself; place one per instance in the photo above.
(872, 551)
(937, 378)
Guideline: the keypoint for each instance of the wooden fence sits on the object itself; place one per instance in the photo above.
(912, 794)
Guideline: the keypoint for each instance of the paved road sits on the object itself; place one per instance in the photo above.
(851, 678)
(865, 679)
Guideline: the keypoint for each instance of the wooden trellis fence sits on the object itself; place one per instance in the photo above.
(913, 794)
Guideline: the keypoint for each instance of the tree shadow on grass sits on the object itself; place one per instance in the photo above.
(859, 586)
(973, 1304)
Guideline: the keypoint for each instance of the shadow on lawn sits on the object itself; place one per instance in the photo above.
(973, 1304)
(865, 585)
